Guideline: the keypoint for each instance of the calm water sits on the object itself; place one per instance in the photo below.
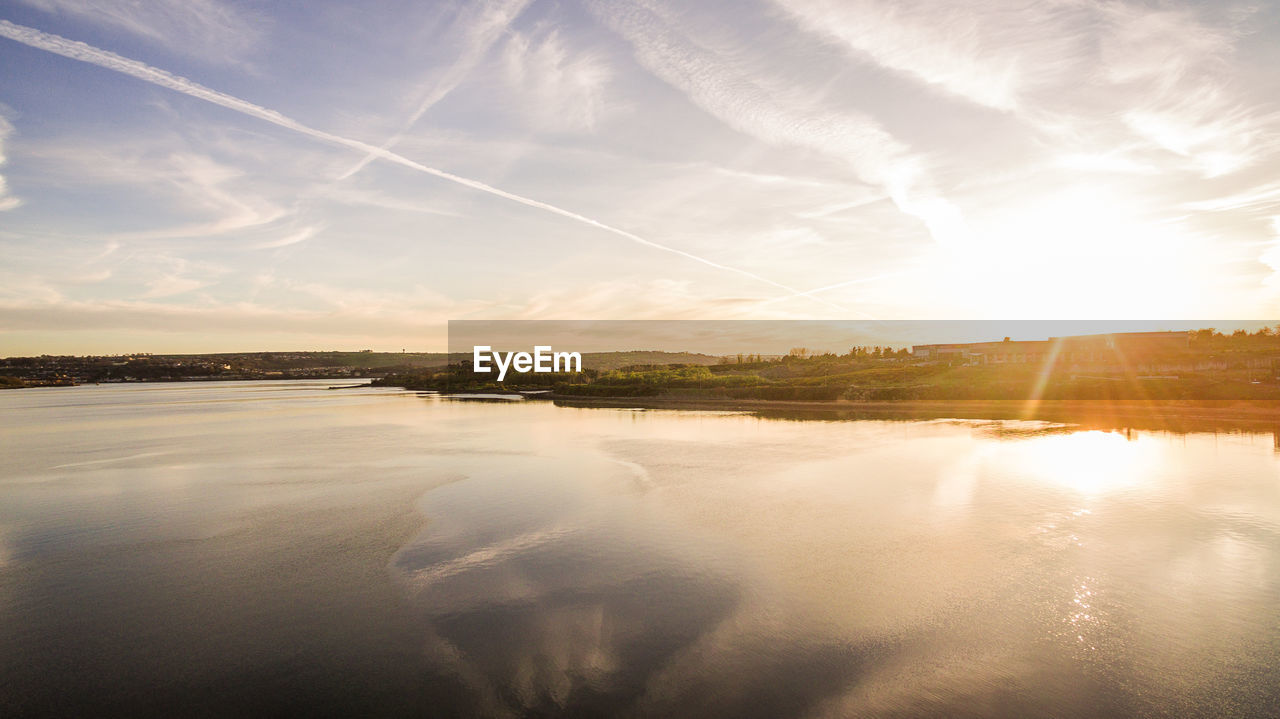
(224, 549)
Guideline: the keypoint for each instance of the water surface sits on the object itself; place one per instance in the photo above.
(275, 547)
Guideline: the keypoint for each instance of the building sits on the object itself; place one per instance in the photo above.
(1131, 346)
(951, 353)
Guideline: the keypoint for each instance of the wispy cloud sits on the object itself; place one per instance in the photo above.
(7, 201)
(1160, 46)
(171, 276)
(295, 313)
(42, 310)
(350, 195)
(1164, 72)
(1176, 71)
(1261, 197)
(658, 299)
(767, 109)
(291, 238)
(222, 196)
(171, 285)
(842, 285)
(1271, 257)
(562, 91)
(990, 53)
(102, 58)
(210, 29)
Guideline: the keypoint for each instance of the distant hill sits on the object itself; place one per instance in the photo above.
(617, 360)
(306, 360)
(48, 370)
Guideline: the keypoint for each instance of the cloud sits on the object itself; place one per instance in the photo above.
(20, 289)
(7, 201)
(1163, 73)
(1271, 256)
(1160, 46)
(1260, 197)
(226, 196)
(348, 195)
(1111, 161)
(209, 29)
(843, 285)
(562, 92)
(986, 52)
(171, 285)
(292, 238)
(176, 276)
(1216, 138)
(332, 311)
(764, 108)
(1179, 71)
(111, 61)
(666, 299)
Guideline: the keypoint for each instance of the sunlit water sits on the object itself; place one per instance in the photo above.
(234, 548)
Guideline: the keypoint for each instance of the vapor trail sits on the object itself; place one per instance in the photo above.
(77, 50)
(812, 294)
(489, 28)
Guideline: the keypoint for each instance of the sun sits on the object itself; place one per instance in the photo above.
(1079, 252)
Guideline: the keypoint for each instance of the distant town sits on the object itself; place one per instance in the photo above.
(54, 370)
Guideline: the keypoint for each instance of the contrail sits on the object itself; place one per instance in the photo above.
(487, 32)
(77, 50)
(811, 294)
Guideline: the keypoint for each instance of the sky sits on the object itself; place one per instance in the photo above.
(209, 175)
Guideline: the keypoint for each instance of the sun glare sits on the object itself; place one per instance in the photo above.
(1090, 462)
(1078, 251)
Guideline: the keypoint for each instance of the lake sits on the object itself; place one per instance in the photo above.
(217, 549)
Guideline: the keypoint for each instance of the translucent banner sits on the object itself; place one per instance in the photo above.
(864, 361)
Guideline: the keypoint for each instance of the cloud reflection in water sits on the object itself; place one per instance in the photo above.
(546, 597)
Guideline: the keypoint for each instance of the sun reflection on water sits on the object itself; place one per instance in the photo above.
(1091, 462)
(1083, 619)
(1084, 625)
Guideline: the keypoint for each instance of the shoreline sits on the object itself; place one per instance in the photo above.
(1137, 414)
